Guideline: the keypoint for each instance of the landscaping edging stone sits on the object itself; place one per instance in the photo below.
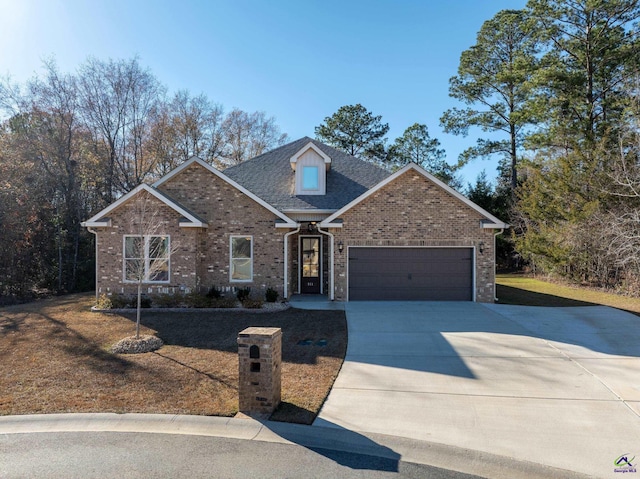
(266, 308)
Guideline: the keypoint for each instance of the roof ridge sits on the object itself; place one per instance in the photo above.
(286, 145)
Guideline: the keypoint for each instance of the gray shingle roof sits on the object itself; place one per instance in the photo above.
(270, 177)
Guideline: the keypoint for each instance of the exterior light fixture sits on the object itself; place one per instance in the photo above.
(340, 246)
(481, 247)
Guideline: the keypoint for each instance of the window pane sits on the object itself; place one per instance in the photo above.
(133, 247)
(310, 257)
(241, 247)
(159, 270)
(133, 269)
(241, 269)
(158, 247)
(241, 262)
(310, 178)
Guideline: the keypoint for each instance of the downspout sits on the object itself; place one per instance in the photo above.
(95, 233)
(286, 261)
(331, 294)
(495, 287)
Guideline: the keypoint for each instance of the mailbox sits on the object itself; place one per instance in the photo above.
(259, 362)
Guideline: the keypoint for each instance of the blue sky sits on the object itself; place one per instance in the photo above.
(296, 60)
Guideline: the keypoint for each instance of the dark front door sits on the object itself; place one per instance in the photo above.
(310, 261)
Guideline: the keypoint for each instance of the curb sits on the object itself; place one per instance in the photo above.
(313, 437)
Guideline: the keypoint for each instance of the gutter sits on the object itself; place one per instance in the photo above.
(495, 286)
(95, 233)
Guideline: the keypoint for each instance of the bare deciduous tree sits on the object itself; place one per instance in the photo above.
(148, 247)
(120, 101)
(247, 135)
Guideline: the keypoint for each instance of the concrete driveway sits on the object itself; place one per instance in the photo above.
(554, 386)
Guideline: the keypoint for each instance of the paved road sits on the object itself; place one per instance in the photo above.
(92, 445)
(102, 455)
(552, 386)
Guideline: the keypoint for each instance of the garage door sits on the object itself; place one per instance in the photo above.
(410, 274)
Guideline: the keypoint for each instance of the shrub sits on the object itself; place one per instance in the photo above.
(104, 302)
(252, 303)
(145, 302)
(197, 300)
(168, 300)
(271, 295)
(242, 294)
(119, 301)
(214, 293)
(224, 303)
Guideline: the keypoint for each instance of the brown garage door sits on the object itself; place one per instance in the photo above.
(410, 274)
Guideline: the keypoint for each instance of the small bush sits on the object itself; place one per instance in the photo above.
(252, 303)
(119, 301)
(271, 295)
(197, 300)
(168, 300)
(214, 293)
(224, 303)
(145, 302)
(104, 302)
(242, 294)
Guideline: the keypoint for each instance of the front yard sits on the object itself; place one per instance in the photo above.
(54, 357)
(525, 290)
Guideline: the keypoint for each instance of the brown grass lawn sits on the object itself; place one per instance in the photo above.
(54, 357)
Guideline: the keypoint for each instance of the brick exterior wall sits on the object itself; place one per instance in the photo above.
(203, 259)
(413, 211)
(410, 211)
(125, 220)
(229, 212)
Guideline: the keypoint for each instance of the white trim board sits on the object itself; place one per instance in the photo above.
(223, 177)
(495, 222)
(194, 222)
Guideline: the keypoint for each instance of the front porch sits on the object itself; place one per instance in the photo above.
(309, 262)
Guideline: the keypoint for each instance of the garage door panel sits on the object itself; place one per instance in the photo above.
(427, 274)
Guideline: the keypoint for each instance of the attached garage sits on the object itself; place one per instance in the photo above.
(410, 274)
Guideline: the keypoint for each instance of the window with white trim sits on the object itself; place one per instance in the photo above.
(146, 258)
(311, 172)
(241, 258)
(310, 179)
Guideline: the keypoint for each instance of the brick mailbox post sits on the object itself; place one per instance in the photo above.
(259, 358)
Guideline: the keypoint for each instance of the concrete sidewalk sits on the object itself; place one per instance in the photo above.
(311, 437)
(552, 386)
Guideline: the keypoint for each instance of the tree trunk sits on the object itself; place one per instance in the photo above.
(138, 309)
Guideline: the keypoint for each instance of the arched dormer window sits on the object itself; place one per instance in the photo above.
(311, 165)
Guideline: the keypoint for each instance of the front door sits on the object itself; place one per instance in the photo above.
(310, 261)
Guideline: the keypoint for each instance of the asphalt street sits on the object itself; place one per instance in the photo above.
(89, 455)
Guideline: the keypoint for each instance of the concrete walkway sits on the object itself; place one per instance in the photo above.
(315, 302)
(552, 386)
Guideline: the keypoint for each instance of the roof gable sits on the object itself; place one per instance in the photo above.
(100, 219)
(226, 179)
(492, 223)
(271, 177)
(310, 146)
